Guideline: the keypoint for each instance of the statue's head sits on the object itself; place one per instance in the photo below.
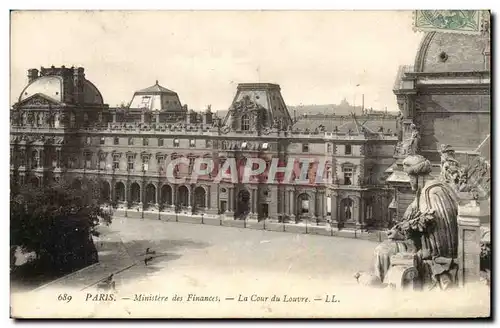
(416, 166)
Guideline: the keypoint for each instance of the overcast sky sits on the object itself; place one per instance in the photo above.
(318, 57)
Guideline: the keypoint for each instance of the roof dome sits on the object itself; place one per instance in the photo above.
(438, 52)
(49, 86)
(156, 98)
(62, 85)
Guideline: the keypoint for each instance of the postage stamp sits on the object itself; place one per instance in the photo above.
(451, 21)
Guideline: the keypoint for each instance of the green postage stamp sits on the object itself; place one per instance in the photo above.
(453, 21)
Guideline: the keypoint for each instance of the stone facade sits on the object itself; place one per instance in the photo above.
(444, 99)
(128, 150)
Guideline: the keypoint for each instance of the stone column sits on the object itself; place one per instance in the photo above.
(158, 190)
(254, 200)
(114, 117)
(321, 206)
(361, 216)
(174, 196)
(286, 202)
(312, 206)
(292, 204)
(207, 200)
(230, 202)
(469, 243)
(190, 198)
(334, 207)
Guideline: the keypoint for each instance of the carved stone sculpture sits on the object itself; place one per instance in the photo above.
(428, 231)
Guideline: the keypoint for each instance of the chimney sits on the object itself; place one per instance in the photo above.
(78, 81)
(32, 75)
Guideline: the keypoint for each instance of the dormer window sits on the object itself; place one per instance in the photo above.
(245, 123)
(145, 101)
(348, 149)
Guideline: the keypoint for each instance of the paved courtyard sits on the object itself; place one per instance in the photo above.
(227, 264)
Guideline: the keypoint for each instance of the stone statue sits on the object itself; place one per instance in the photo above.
(413, 146)
(427, 232)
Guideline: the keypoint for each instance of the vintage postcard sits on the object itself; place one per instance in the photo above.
(250, 164)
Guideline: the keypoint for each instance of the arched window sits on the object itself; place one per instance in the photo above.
(245, 123)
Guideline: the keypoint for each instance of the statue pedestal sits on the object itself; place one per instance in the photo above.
(403, 272)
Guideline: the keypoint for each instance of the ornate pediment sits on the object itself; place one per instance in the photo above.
(245, 104)
(38, 100)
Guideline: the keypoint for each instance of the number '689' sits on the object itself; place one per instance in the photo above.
(64, 297)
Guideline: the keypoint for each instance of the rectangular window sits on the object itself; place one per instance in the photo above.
(130, 165)
(116, 162)
(102, 141)
(329, 148)
(130, 141)
(22, 161)
(145, 142)
(191, 165)
(176, 143)
(348, 175)
(116, 140)
(265, 146)
(348, 149)
(145, 163)
(88, 160)
(102, 162)
(305, 148)
(160, 142)
(192, 143)
(87, 140)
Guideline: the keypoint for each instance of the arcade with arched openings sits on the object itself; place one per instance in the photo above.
(303, 206)
(200, 197)
(150, 195)
(346, 209)
(105, 191)
(120, 192)
(182, 197)
(242, 204)
(135, 193)
(166, 195)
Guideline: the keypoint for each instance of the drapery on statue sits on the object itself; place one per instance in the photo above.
(428, 230)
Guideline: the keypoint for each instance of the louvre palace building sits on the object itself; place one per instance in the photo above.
(61, 129)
